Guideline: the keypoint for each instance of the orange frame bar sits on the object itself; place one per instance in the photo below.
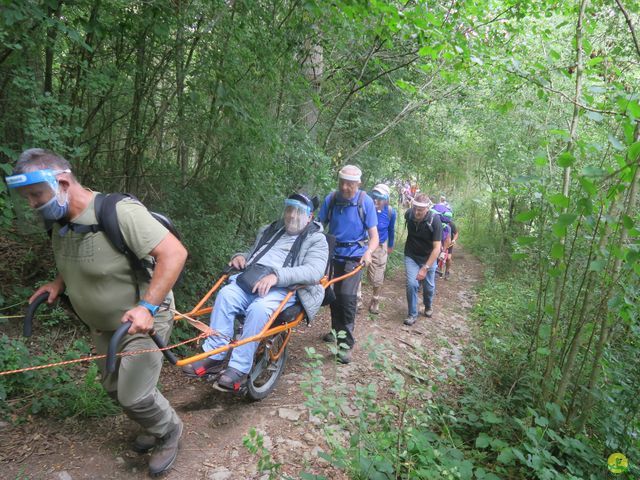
(266, 331)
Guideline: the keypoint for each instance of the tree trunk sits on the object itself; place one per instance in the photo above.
(559, 284)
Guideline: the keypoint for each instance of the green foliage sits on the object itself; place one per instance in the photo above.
(392, 427)
(57, 391)
(254, 442)
(539, 440)
(524, 114)
(383, 437)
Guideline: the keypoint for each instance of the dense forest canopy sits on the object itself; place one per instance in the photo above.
(525, 113)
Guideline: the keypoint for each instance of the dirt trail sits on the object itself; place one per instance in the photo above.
(215, 422)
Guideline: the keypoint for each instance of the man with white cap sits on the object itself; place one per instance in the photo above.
(421, 250)
(351, 216)
(386, 234)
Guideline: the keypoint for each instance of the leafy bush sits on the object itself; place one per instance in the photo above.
(395, 428)
(58, 391)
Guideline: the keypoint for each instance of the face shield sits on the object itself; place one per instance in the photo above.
(296, 216)
(41, 191)
(379, 198)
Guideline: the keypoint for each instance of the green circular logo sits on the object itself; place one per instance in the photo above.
(617, 463)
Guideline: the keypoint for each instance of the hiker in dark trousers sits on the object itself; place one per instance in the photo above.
(421, 250)
(453, 238)
(290, 251)
(386, 233)
(105, 291)
(351, 216)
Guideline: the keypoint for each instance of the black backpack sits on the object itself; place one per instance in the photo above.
(408, 215)
(359, 203)
(107, 216)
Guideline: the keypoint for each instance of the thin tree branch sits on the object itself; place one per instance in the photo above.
(630, 24)
(563, 95)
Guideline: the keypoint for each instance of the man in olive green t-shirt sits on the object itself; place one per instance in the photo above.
(106, 291)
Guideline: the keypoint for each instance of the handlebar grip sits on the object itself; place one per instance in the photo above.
(119, 334)
(113, 345)
(31, 310)
(168, 354)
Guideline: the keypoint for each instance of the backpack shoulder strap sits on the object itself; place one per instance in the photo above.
(271, 234)
(363, 217)
(332, 204)
(107, 216)
(297, 244)
(430, 217)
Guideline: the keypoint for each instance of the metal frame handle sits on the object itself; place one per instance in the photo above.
(31, 310)
(120, 333)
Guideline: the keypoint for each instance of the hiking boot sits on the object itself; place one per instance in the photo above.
(359, 305)
(344, 356)
(329, 338)
(374, 307)
(447, 274)
(143, 443)
(232, 379)
(428, 312)
(166, 451)
(208, 366)
(410, 321)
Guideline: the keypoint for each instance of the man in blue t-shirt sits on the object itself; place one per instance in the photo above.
(352, 219)
(386, 235)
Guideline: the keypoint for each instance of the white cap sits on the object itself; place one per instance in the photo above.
(383, 189)
(427, 204)
(350, 173)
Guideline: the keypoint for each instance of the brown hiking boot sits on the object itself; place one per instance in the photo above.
(410, 320)
(344, 356)
(144, 442)
(166, 451)
(374, 307)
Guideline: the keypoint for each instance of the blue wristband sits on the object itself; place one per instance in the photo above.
(153, 309)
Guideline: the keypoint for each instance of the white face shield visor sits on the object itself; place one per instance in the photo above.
(38, 190)
(296, 216)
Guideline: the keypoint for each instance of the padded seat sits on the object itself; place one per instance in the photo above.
(288, 315)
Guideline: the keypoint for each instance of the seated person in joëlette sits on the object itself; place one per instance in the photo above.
(291, 251)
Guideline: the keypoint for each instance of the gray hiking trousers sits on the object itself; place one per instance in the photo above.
(134, 383)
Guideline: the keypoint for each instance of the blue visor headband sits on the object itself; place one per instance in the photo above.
(37, 176)
(379, 196)
(299, 205)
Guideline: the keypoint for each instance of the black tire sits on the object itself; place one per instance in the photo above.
(265, 373)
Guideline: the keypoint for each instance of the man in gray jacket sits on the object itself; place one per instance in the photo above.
(290, 251)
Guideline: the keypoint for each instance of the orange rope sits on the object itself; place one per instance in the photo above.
(206, 331)
(98, 357)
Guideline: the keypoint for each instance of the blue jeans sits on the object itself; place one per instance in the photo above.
(413, 286)
(232, 301)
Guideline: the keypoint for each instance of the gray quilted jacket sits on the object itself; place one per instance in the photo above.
(308, 268)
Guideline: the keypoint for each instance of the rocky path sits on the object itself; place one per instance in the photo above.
(216, 423)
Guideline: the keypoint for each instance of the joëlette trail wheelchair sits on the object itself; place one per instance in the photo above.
(271, 354)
